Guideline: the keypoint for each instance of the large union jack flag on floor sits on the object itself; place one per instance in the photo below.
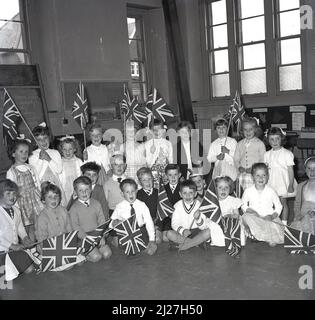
(299, 242)
(158, 108)
(165, 208)
(11, 116)
(131, 237)
(60, 251)
(93, 238)
(80, 107)
(210, 206)
(232, 234)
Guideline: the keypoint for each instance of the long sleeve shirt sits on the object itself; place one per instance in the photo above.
(86, 218)
(143, 217)
(40, 165)
(265, 202)
(183, 217)
(10, 229)
(215, 149)
(158, 149)
(100, 155)
(249, 152)
(52, 223)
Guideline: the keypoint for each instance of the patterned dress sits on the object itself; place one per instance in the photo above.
(29, 194)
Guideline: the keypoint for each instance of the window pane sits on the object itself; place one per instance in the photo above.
(254, 81)
(220, 36)
(290, 78)
(135, 50)
(13, 58)
(221, 85)
(253, 29)
(290, 51)
(254, 56)
(134, 28)
(9, 10)
(290, 23)
(218, 10)
(221, 61)
(11, 35)
(288, 4)
(250, 8)
(139, 91)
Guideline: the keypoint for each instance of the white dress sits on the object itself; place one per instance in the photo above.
(265, 203)
(278, 162)
(226, 166)
(227, 206)
(70, 171)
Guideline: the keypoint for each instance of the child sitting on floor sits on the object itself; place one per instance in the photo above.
(12, 232)
(54, 219)
(150, 197)
(86, 215)
(189, 227)
(262, 208)
(111, 186)
(304, 205)
(130, 206)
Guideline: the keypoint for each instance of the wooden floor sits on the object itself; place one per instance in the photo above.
(260, 272)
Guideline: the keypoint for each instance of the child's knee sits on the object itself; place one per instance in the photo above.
(94, 256)
(158, 236)
(106, 252)
(166, 235)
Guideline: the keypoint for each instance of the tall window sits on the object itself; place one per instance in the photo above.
(137, 57)
(13, 48)
(218, 49)
(251, 46)
(238, 33)
(288, 37)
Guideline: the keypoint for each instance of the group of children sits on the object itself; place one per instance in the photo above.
(49, 192)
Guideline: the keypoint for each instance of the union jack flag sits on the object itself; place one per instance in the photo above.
(11, 115)
(232, 233)
(157, 107)
(165, 208)
(210, 206)
(93, 238)
(60, 251)
(80, 107)
(237, 111)
(299, 242)
(131, 238)
(125, 102)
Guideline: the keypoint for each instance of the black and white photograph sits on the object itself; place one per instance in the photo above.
(157, 154)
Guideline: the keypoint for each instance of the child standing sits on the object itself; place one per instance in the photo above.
(130, 206)
(189, 227)
(111, 186)
(248, 151)
(158, 151)
(262, 207)
(68, 147)
(54, 219)
(280, 162)
(150, 197)
(222, 151)
(11, 225)
(25, 176)
(98, 152)
(304, 205)
(199, 180)
(86, 215)
(134, 152)
(47, 162)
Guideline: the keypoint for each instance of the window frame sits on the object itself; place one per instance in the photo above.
(24, 33)
(140, 15)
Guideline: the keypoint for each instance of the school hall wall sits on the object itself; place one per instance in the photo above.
(75, 40)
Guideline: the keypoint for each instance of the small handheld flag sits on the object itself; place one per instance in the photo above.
(165, 208)
(80, 107)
